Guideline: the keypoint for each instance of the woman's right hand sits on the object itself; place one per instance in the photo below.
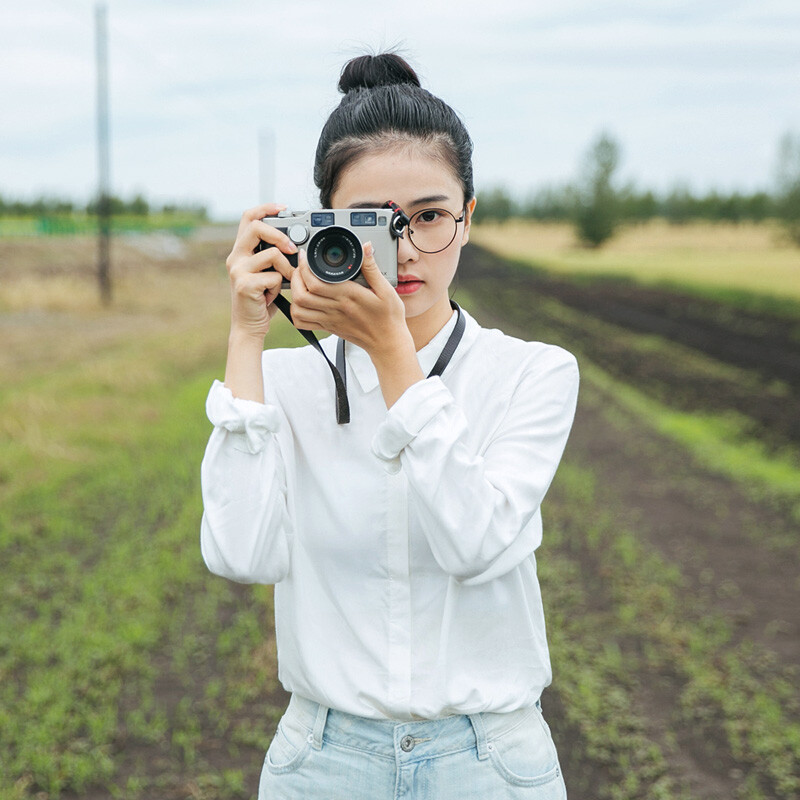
(252, 289)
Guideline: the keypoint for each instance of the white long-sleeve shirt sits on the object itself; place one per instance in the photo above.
(401, 545)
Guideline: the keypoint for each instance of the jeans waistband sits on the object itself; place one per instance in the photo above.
(413, 740)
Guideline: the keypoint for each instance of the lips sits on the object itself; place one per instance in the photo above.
(408, 284)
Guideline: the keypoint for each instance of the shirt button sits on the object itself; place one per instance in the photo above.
(407, 744)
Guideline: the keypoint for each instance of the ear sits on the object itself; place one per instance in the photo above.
(468, 212)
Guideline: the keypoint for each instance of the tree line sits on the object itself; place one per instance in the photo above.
(136, 206)
(678, 205)
(596, 204)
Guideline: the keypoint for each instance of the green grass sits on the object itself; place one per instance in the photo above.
(125, 665)
(621, 622)
(104, 595)
(83, 224)
(718, 441)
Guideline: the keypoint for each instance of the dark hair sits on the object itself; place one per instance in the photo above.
(385, 106)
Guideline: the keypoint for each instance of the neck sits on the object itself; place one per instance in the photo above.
(425, 326)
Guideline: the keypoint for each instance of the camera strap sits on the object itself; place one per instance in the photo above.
(339, 370)
(342, 403)
(441, 363)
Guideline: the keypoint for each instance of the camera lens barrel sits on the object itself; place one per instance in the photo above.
(335, 254)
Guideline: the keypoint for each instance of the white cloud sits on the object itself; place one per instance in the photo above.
(700, 89)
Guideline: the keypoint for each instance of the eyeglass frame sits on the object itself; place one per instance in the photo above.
(457, 220)
(401, 221)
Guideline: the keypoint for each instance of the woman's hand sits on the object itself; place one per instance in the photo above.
(252, 295)
(372, 317)
(252, 289)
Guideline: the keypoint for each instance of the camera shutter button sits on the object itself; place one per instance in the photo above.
(298, 233)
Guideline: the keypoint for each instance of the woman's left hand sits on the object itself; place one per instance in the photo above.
(372, 317)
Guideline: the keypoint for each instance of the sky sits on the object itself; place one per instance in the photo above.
(696, 92)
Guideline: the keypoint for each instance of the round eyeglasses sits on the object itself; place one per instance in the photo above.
(433, 229)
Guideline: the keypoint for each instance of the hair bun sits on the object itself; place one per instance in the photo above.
(384, 69)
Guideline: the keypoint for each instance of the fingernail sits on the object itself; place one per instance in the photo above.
(292, 247)
(367, 248)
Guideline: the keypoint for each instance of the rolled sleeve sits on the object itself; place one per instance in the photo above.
(417, 406)
(249, 422)
(246, 530)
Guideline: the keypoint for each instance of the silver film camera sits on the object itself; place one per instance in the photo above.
(334, 240)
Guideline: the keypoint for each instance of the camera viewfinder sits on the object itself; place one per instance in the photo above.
(362, 219)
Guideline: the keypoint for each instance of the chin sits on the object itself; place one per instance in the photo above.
(414, 305)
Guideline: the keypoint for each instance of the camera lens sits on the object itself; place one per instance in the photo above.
(335, 254)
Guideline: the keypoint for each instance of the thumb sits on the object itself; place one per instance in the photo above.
(370, 270)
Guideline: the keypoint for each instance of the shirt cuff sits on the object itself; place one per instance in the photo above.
(417, 406)
(249, 421)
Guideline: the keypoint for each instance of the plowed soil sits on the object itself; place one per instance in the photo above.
(705, 524)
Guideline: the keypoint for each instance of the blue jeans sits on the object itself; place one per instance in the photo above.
(322, 753)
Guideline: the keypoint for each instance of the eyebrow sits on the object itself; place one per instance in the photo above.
(434, 198)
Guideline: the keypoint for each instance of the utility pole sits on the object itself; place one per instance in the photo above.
(103, 160)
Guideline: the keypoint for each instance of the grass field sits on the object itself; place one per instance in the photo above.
(711, 258)
(126, 670)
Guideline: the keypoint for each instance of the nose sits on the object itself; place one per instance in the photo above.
(406, 252)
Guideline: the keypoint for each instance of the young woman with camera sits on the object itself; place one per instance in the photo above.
(401, 544)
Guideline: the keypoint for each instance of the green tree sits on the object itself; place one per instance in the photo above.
(549, 203)
(139, 206)
(597, 211)
(495, 205)
(788, 185)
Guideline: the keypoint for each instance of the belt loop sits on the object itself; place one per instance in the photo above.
(319, 727)
(480, 735)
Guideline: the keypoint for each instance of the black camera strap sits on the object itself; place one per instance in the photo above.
(444, 357)
(342, 404)
(339, 370)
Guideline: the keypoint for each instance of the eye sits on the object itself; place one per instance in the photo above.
(429, 216)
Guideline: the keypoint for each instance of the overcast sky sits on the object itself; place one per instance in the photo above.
(695, 91)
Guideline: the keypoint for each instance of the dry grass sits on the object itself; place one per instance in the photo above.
(67, 363)
(51, 314)
(747, 256)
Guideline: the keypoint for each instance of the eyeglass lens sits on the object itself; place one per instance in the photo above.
(432, 229)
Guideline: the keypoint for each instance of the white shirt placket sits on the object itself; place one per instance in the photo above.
(399, 588)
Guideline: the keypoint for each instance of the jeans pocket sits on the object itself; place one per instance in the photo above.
(288, 749)
(526, 756)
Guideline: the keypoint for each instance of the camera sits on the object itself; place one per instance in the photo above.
(334, 240)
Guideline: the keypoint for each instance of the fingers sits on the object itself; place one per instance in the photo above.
(255, 232)
(315, 285)
(257, 212)
(355, 312)
(301, 317)
(257, 286)
(264, 210)
(372, 274)
(316, 305)
(267, 261)
(310, 282)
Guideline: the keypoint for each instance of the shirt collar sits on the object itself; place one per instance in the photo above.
(360, 364)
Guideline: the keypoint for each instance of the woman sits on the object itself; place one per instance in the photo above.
(409, 621)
